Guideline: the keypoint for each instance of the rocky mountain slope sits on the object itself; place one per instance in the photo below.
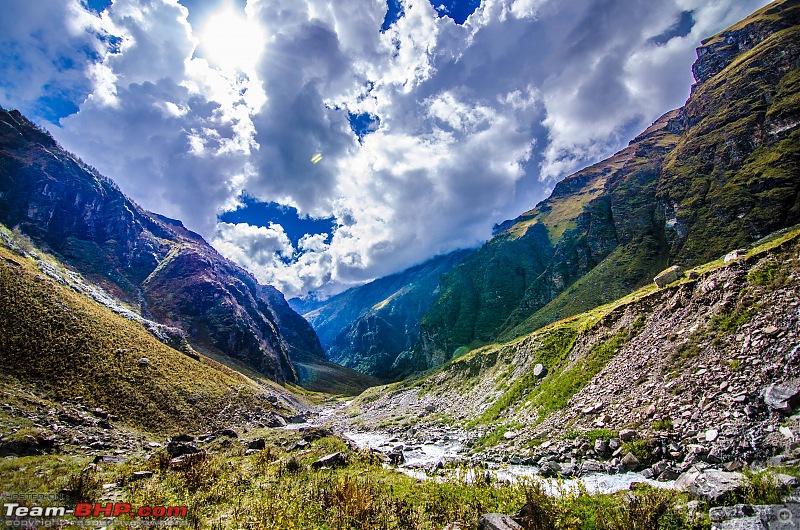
(372, 328)
(701, 372)
(153, 264)
(712, 176)
(78, 375)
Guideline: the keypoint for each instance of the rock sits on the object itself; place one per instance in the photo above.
(591, 466)
(630, 462)
(770, 330)
(667, 276)
(782, 397)
(600, 446)
(108, 459)
(510, 435)
(332, 460)
(144, 362)
(539, 371)
(183, 438)
(297, 418)
(786, 432)
(455, 526)
(229, 433)
(257, 444)
(667, 475)
(141, 475)
(181, 448)
(274, 421)
(613, 444)
(550, 469)
(627, 435)
(497, 521)
(709, 484)
(711, 435)
(782, 480)
(272, 399)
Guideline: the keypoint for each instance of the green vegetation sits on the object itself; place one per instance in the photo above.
(639, 449)
(555, 345)
(592, 435)
(661, 425)
(277, 489)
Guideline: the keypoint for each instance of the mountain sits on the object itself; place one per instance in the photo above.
(372, 328)
(712, 176)
(154, 264)
(60, 350)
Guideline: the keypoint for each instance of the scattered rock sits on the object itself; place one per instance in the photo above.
(711, 435)
(539, 371)
(332, 460)
(141, 475)
(667, 276)
(782, 397)
(183, 438)
(630, 462)
(709, 484)
(497, 521)
(144, 362)
(627, 435)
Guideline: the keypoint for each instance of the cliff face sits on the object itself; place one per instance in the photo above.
(712, 176)
(146, 260)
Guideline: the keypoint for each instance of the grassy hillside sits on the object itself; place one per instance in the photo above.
(60, 344)
(715, 175)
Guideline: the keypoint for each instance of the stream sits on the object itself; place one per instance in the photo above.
(421, 459)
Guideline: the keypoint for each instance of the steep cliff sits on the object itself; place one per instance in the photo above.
(712, 176)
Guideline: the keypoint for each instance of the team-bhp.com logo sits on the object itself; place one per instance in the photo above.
(17, 515)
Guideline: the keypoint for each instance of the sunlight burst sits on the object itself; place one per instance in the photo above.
(231, 41)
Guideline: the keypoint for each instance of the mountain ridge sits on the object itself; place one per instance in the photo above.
(151, 262)
(714, 175)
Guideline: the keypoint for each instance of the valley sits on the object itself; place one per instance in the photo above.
(623, 355)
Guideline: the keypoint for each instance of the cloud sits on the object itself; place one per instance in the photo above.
(474, 123)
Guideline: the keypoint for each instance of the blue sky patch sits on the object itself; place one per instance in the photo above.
(363, 124)
(680, 28)
(98, 6)
(393, 14)
(458, 10)
(258, 213)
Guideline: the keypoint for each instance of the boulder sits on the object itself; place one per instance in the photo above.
(230, 433)
(627, 435)
(630, 462)
(181, 448)
(497, 521)
(782, 397)
(667, 276)
(539, 371)
(332, 460)
(257, 444)
(709, 484)
(600, 446)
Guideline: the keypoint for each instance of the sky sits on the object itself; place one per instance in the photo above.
(324, 143)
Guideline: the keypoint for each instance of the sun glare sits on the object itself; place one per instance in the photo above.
(230, 41)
